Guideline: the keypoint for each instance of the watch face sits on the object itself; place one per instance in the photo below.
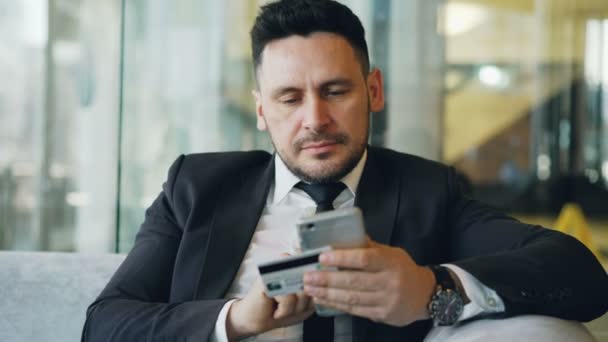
(446, 307)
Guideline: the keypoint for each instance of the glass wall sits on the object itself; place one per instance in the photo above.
(58, 124)
(525, 116)
(188, 79)
(98, 98)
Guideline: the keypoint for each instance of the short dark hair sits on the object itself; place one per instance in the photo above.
(284, 18)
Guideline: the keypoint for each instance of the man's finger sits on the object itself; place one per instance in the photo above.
(371, 243)
(303, 302)
(298, 317)
(371, 312)
(348, 297)
(367, 259)
(350, 280)
(286, 306)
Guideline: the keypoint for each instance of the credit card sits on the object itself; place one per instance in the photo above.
(285, 276)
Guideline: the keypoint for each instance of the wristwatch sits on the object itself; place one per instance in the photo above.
(447, 303)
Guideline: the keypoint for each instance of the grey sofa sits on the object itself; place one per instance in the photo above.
(44, 296)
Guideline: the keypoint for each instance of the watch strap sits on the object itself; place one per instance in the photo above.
(443, 277)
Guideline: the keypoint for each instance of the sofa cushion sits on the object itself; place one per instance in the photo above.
(44, 296)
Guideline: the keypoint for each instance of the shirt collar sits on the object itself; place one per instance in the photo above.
(284, 179)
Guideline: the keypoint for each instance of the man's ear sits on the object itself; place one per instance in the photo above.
(375, 88)
(259, 110)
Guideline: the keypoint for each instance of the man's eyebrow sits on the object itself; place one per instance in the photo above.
(282, 91)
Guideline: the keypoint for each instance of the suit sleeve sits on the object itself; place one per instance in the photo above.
(134, 305)
(533, 269)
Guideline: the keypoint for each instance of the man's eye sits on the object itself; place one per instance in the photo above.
(289, 101)
(333, 93)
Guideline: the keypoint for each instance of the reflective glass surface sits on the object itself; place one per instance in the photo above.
(58, 124)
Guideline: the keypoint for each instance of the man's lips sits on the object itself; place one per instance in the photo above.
(318, 145)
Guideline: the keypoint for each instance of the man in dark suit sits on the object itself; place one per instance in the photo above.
(433, 254)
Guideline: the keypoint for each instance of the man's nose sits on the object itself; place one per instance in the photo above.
(316, 114)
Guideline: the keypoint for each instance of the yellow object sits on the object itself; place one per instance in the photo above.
(572, 221)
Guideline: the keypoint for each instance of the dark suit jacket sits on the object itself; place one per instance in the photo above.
(195, 234)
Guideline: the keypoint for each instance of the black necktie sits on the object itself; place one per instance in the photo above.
(321, 329)
(323, 194)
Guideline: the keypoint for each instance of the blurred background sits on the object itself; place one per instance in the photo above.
(98, 98)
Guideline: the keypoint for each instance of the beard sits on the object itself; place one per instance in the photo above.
(330, 171)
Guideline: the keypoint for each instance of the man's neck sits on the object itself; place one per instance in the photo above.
(284, 179)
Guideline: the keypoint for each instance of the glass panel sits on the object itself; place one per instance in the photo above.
(595, 121)
(520, 122)
(58, 120)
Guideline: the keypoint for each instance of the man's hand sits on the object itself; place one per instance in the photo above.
(380, 282)
(256, 313)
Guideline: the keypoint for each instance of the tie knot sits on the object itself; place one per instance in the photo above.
(323, 194)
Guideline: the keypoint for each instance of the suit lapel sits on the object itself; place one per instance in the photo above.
(378, 198)
(240, 204)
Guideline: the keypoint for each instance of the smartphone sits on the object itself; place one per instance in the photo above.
(340, 228)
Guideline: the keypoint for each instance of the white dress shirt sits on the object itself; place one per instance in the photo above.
(275, 236)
